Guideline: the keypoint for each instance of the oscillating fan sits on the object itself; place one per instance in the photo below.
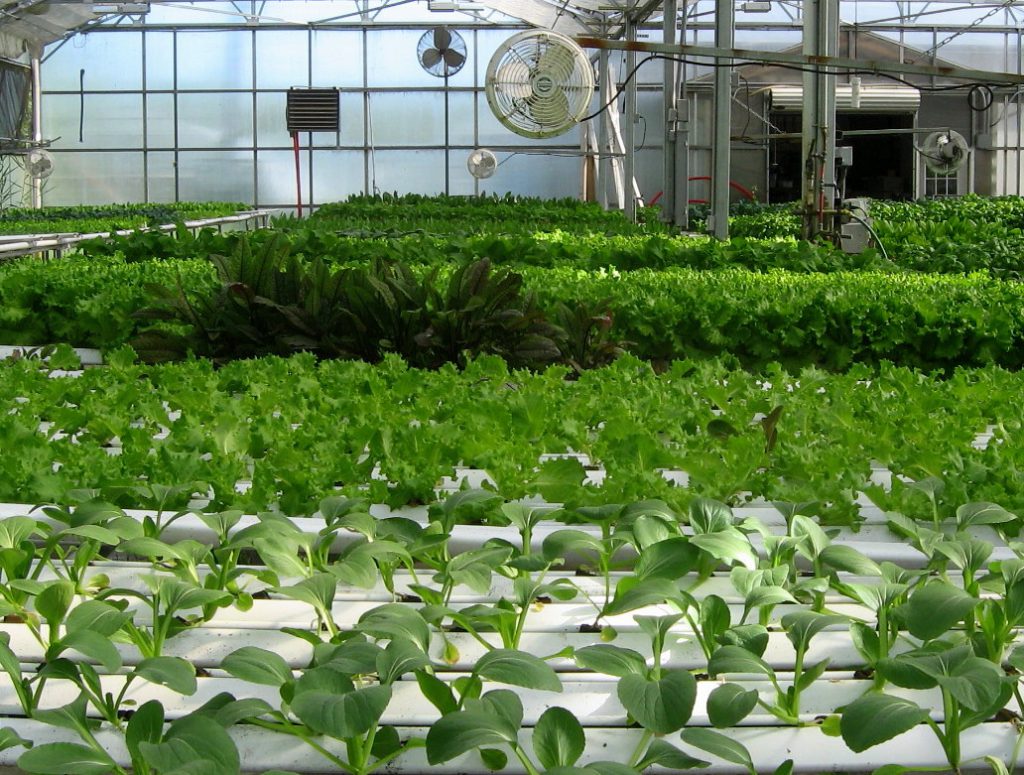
(539, 83)
(944, 152)
(38, 164)
(482, 163)
(441, 52)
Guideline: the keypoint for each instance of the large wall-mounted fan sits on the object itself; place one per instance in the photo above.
(441, 52)
(539, 83)
(944, 152)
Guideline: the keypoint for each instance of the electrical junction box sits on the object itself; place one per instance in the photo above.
(855, 226)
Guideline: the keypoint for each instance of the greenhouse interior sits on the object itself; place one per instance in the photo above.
(580, 387)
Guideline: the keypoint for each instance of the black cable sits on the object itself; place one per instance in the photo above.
(643, 138)
(81, 105)
(799, 68)
(987, 98)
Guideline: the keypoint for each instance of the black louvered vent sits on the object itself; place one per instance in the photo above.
(313, 110)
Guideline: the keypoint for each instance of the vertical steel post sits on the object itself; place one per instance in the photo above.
(668, 186)
(818, 141)
(37, 120)
(629, 135)
(724, 28)
(681, 216)
(603, 166)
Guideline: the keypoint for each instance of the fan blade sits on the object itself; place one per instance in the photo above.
(431, 58)
(550, 110)
(558, 61)
(454, 59)
(442, 38)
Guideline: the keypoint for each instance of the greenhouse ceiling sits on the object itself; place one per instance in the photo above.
(40, 22)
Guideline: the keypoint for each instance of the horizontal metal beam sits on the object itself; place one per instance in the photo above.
(865, 66)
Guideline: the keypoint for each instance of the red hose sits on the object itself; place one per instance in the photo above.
(298, 174)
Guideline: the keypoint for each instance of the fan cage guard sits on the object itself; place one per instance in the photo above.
(539, 83)
(38, 164)
(482, 163)
(934, 156)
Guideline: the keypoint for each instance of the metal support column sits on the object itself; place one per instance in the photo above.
(629, 135)
(724, 29)
(818, 140)
(668, 190)
(603, 165)
(37, 120)
(681, 216)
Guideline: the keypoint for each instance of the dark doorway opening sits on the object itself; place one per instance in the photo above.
(883, 165)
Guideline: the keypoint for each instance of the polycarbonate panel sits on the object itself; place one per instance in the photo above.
(410, 118)
(282, 59)
(161, 171)
(460, 182)
(106, 120)
(337, 58)
(159, 60)
(536, 175)
(392, 60)
(217, 59)
(198, 13)
(976, 50)
(160, 120)
(216, 176)
(215, 120)
(94, 178)
(409, 172)
(275, 172)
(336, 175)
(112, 62)
(271, 128)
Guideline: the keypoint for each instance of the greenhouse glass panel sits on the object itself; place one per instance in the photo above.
(94, 178)
(160, 120)
(215, 60)
(215, 120)
(536, 175)
(337, 175)
(225, 176)
(409, 172)
(159, 60)
(198, 13)
(978, 50)
(407, 118)
(275, 178)
(460, 182)
(160, 173)
(337, 58)
(107, 120)
(271, 129)
(112, 62)
(282, 59)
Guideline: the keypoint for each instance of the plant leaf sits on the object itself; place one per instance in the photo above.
(517, 668)
(558, 738)
(875, 718)
(729, 704)
(717, 744)
(64, 758)
(457, 733)
(662, 706)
